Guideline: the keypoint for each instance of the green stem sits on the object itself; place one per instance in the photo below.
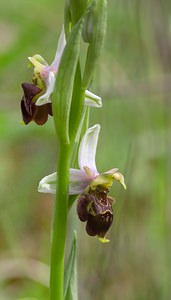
(59, 224)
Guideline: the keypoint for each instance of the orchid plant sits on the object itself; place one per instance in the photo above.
(62, 90)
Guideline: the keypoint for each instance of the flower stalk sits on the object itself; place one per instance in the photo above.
(60, 224)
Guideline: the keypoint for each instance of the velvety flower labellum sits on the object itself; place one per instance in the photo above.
(95, 208)
(30, 111)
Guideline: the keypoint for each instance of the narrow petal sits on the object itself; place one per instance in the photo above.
(48, 184)
(61, 45)
(111, 171)
(90, 174)
(106, 179)
(38, 61)
(87, 150)
(50, 83)
(119, 177)
(92, 99)
(77, 183)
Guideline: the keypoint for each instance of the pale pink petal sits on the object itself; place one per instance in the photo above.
(111, 171)
(61, 45)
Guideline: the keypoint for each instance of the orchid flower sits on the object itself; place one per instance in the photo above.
(39, 93)
(94, 206)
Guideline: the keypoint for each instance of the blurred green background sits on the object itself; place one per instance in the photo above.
(134, 80)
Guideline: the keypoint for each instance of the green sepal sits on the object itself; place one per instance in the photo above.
(61, 101)
(97, 21)
(70, 277)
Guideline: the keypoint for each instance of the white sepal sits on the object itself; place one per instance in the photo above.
(48, 184)
(87, 150)
(77, 183)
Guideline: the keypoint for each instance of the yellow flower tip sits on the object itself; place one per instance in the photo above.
(36, 62)
(119, 177)
(31, 59)
(124, 185)
(103, 240)
(22, 123)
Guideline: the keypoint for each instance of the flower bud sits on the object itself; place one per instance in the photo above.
(87, 27)
(94, 29)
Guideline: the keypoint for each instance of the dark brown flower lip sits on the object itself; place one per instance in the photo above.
(31, 112)
(99, 224)
(95, 208)
(30, 91)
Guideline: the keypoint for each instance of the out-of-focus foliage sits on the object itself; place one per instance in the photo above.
(134, 80)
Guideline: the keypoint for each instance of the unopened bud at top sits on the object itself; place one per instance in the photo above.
(94, 29)
(95, 21)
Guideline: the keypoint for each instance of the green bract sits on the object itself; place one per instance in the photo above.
(70, 278)
(62, 95)
(77, 9)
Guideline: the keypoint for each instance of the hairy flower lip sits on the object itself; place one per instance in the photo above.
(30, 112)
(95, 208)
(30, 93)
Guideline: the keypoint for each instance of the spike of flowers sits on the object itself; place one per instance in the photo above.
(86, 19)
